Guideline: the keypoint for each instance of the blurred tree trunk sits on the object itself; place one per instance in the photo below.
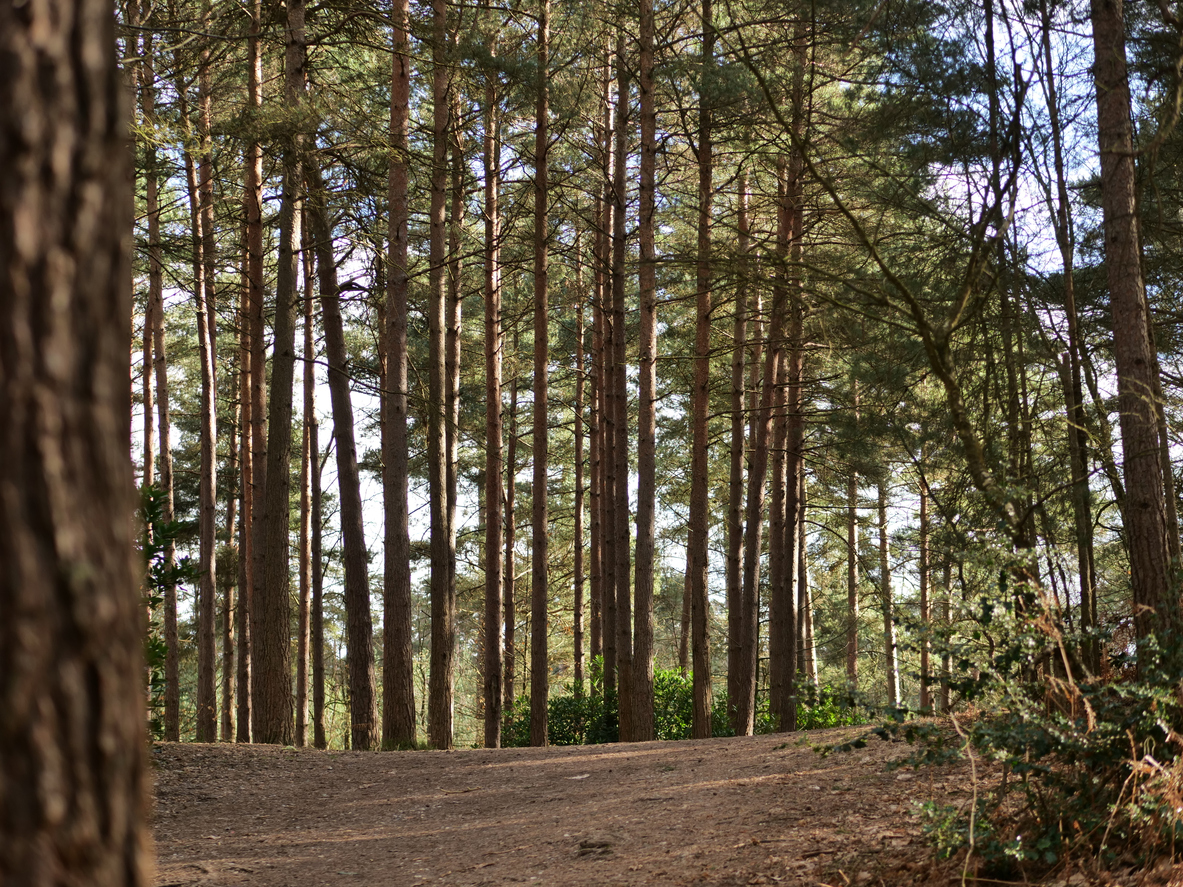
(73, 772)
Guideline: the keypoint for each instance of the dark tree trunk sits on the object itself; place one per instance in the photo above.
(271, 667)
(73, 774)
(359, 628)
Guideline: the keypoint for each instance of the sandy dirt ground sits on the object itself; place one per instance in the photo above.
(762, 810)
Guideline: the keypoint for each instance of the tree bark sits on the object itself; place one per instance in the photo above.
(359, 628)
(737, 673)
(271, 702)
(73, 773)
(539, 572)
(1145, 515)
(442, 677)
(699, 491)
(642, 691)
(398, 694)
(303, 619)
(508, 602)
(494, 478)
(890, 664)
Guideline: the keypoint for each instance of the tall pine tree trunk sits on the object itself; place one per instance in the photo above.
(398, 702)
(642, 692)
(700, 400)
(1145, 514)
(359, 629)
(271, 702)
(494, 480)
(539, 573)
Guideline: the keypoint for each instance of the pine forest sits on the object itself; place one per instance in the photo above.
(550, 373)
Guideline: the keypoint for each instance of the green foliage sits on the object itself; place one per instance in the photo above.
(160, 573)
(586, 716)
(1091, 766)
(820, 708)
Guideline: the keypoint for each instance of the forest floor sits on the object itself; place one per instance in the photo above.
(748, 810)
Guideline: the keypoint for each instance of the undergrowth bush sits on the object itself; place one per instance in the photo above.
(585, 716)
(1090, 766)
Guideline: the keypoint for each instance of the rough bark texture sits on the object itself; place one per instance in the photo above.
(642, 691)
(1145, 515)
(73, 774)
(271, 702)
(890, 666)
(398, 702)
(540, 548)
(508, 602)
(306, 469)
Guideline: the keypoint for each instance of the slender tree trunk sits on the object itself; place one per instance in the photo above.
(398, 693)
(699, 491)
(74, 779)
(890, 664)
(511, 471)
(946, 659)
(442, 677)
(306, 470)
(1145, 517)
(172, 692)
(539, 584)
(316, 616)
(359, 629)
(618, 446)
(594, 437)
(271, 672)
(923, 569)
(736, 653)
(256, 477)
(642, 690)
(494, 478)
(578, 615)
(226, 723)
(852, 571)
(611, 586)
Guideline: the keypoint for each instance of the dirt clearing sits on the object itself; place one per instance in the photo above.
(762, 810)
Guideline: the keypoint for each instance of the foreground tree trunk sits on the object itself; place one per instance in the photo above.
(73, 775)
(1145, 512)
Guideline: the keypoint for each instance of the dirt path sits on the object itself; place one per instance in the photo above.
(763, 810)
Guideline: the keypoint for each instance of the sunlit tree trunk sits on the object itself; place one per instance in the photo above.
(508, 602)
(1145, 516)
(852, 567)
(303, 626)
(578, 616)
(923, 568)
